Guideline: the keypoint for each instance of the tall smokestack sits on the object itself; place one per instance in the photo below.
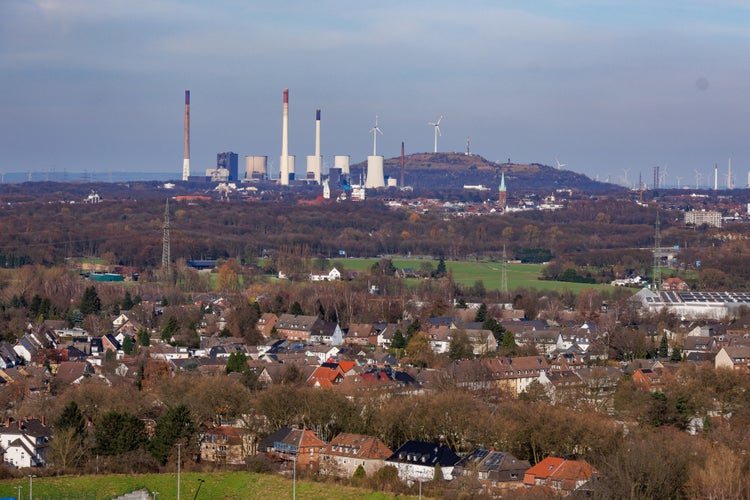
(317, 132)
(403, 162)
(186, 160)
(716, 177)
(284, 163)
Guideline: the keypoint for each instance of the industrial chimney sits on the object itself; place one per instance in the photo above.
(315, 162)
(284, 161)
(186, 160)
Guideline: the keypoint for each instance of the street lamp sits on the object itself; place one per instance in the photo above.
(155, 493)
(31, 486)
(19, 492)
(200, 483)
(178, 470)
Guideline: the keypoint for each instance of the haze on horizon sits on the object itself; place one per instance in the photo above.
(602, 86)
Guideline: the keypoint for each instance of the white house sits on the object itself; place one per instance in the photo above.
(332, 275)
(417, 461)
(25, 442)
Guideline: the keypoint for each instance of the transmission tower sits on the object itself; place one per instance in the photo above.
(657, 258)
(504, 275)
(166, 251)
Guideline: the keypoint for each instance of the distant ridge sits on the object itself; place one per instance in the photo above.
(455, 170)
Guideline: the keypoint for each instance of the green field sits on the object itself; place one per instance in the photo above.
(224, 485)
(490, 273)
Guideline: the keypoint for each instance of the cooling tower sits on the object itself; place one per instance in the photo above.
(375, 176)
(342, 162)
(256, 167)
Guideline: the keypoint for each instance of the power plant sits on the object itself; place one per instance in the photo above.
(256, 167)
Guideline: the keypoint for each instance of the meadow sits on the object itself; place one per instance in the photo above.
(467, 273)
(213, 486)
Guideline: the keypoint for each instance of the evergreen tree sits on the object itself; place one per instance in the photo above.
(71, 418)
(171, 328)
(237, 362)
(664, 347)
(296, 309)
(398, 341)
(676, 355)
(413, 328)
(118, 432)
(127, 302)
(128, 345)
(509, 342)
(460, 347)
(176, 425)
(441, 269)
(481, 313)
(144, 338)
(359, 473)
(498, 331)
(90, 302)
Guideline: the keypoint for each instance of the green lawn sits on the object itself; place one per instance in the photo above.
(224, 485)
(490, 273)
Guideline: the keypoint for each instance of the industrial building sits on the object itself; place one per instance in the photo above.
(228, 161)
(694, 305)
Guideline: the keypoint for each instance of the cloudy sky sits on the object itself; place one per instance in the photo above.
(605, 86)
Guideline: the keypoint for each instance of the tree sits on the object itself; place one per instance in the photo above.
(170, 329)
(90, 302)
(176, 425)
(460, 346)
(481, 315)
(127, 302)
(71, 418)
(144, 338)
(498, 331)
(68, 450)
(441, 269)
(128, 345)
(119, 432)
(237, 362)
(509, 342)
(419, 350)
(398, 341)
(296, 309)
(664, 347)
(242, 322)
(676, 356)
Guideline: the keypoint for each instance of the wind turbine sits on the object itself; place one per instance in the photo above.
(697, 179)
(560, 165)
(626, 171)
(375, 130)
(437, 130)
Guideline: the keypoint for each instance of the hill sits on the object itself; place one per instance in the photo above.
(454, 170)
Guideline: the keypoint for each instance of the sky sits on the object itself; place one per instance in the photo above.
(609, 88)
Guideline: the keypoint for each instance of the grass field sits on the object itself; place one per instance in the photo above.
(490, 273)
(217, 486)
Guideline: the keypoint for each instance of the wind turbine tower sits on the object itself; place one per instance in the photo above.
(436, 125)
(375, 177)
(716, 177)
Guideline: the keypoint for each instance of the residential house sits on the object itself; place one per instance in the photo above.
(736, 358)
(110, 343)
(296, 327)
(561, 385)
(560, 474)
(73, 372)
(346, 452)
(266, 324)
(25, 442)
(326, 376)
(674, 285)
(322, 352)
(362, 334)
(512, 375)
(300, 444)
(418, 460)
(482, 341)
(332, 275)
(226, 445)
(326, 333)
(8, 356)
(493, 469)
(699, 348)
(648, 379)
(544, 341)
